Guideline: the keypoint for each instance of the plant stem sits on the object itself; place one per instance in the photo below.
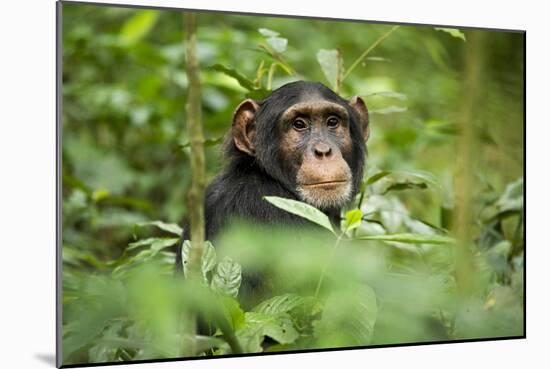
(278, 57)
(230, 337)
(467, 156)
(339, 72)
(322, 277)
(366, 52)
(195, 195)
(259, 75)
(270, 75)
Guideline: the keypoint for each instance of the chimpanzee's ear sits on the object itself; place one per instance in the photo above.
(361, 108)
(244, 126)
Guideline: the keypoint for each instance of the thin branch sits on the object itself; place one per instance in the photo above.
(324, 271)
(366, 52)
(195, 196)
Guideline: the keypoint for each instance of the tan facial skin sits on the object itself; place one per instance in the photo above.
(315, 138)
(318, 131)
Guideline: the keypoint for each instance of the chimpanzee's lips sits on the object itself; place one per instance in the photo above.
(325, 184)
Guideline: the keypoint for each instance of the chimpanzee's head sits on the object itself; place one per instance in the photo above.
(308, 138)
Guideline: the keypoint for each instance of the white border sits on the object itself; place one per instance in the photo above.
(27, 144)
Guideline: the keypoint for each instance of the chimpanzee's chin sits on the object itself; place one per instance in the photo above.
(329, 196)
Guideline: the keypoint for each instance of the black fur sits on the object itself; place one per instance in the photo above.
(238, 191)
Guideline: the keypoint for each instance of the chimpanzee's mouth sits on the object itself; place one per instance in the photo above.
(325, 184)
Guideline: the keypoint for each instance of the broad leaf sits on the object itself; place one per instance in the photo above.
(163, 243)
(375, 177)
(156, 243)
(301, 209)
(279, 304)
(232, 312)
(254, 93)
(185, 251)
(243, 81)
(204, 343)
(227, 278)
(268, 33)
(168, 227)
(257, 325)
(453, 32)
(389, 110)
(277, 43)
(406, 179)
(137, 27)
(392, 94)
(411, 238)
(348, 318)
(331, 64)
(208, 260)
(353, 219)
(405, 185)
(424, 176)
(512, 198)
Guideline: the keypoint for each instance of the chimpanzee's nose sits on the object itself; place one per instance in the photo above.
(322, 149)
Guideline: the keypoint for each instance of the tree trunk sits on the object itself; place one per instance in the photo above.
(467, 156)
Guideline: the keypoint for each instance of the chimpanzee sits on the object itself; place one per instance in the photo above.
(302, 142)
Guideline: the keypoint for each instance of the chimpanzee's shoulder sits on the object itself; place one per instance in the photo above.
(242, 194)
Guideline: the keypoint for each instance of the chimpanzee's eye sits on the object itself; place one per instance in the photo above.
(333, 122)
(299, 124)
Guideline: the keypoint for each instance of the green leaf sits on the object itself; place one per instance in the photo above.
(243, 81)
(208, 259)
(389, 110)
(185, 251)
(331, 64)
(453, 32)
(392, 94)
(232, 313)
(258, 94)
(168, 227)
(512, 198)
(163, 243)
(348, 318)
(156, 243)
(377, 59)
(268, 33)
(100, 194)
(227, 278)
(406, 179)
(279, 327)
(204, 343)
(279, 304)
(278, 44)
(375, 177)
(301, 209)
(137, 27)
(424, 176)
(411, 238)
(405, 185)
(353, 219)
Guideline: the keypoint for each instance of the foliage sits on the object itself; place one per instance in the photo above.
(385, 275)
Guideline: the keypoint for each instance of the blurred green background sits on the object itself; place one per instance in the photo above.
(125, 159)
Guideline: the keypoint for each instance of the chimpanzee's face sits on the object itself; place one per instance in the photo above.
(308, 138)
(314, 144)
